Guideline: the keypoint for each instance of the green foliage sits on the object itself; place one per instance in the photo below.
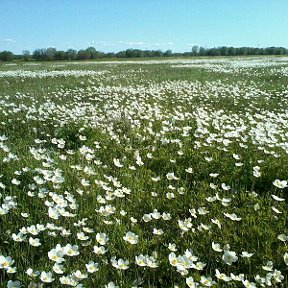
(139, 140)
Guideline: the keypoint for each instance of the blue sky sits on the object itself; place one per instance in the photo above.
(114, 25)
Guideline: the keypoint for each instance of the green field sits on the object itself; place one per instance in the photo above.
(168, 173)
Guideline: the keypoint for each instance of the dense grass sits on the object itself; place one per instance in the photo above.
(108, 152)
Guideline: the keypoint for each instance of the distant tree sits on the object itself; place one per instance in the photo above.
(224, 51)
(60, 55)
(38, 54)
(129, 53)
(148, 53)
(195, 50)
(137, 53)
(50, 54)
(214, 52)
(281, 51)
(83, 55)
(202, 51)
(91, 52)
(6, 56)
(121, 54)
(110, 55)
(231, 51)
(26, 55)
(243, 51)
(71, 54)
(158, 53)
(168, 53)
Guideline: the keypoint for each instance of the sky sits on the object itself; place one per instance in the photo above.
(114, 25)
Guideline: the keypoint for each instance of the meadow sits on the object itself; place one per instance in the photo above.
(161, 173)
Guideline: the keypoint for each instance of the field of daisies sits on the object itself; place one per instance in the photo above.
(149, 174)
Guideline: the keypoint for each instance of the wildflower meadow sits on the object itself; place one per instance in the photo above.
(161, 173)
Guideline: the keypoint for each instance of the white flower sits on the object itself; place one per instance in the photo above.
(213, 175)
(24, 215)
(141, 260)
(157, 231)
(58, 269)
(280, 184)
(70, 250)
(131, 238)
(53, 213)
(256, 171)
(46, 277)
(120, 263)
(79, 275)
(198, 266)
(189, 170)
(277, 198)
(225, 187)
(172, 247)
(155, 214)
(5, 262)
(65, 233)
(233, 216)
(276, 210)
(173, 259)
(185, 225)
(151, 262)
(207, 281)
(15, 181)
(34, 242)
(278, 276)
(286, 258)
(92, 267)
(245, 254)
(117, 163)
(147, 217)
(268, 266)
(99, 250)
(239, 277)
(85, 182)
(111, 285)
(166, 216)
(155, 179)
(216, 247)
(216, 222)
(33, 230)
(170, 195)
(81, 236)
(171, 176)
(229, 257)
(11, 270)
(66, 280)
(31, 273)
(56, 254)
(283, 237)
(191, 283)
(248, 284)
(13, 284)
(102, 238)
(213, 186)
(222, 276)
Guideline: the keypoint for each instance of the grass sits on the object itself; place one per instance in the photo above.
(109, 152)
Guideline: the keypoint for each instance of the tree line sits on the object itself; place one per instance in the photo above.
(52, 54)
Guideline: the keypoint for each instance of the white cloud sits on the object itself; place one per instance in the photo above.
(8, 40)
(139, 43)
(130, 44)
